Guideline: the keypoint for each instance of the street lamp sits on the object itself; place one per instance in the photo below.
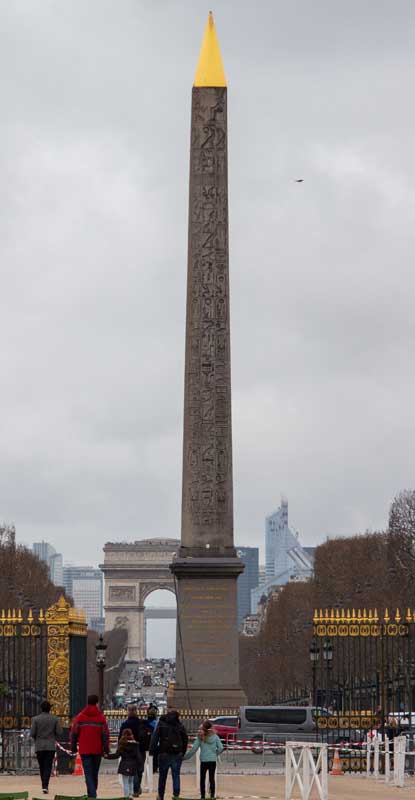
(100, 658)
(314, 657)
(328, 660)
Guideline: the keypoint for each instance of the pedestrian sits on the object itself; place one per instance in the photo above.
(169, 742)
(45, 731)
(90, 734)
(142, 733)
(210, 748)
(131, 762)
(152, 722)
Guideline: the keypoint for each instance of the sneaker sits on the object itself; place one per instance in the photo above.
(45, 791)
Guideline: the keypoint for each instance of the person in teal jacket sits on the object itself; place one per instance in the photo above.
(210, 747)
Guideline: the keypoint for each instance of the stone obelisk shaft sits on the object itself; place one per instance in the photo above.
(207, 663)
(207, 499)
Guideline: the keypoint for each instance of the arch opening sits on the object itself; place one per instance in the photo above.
(160, 623)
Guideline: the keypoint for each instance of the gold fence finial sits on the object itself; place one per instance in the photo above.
(332, 615)
(315, 617)
(408, 615)
(376, 616)
(326, 615)
(321, 615)
(359, 615)
(364, 618)
(353, 615)
(41, 615)
(370, 615)
(19, 615)
(386, 616)
(30, 616)
(9, 616)
(14, 618)
(398, 616)
(3, 615)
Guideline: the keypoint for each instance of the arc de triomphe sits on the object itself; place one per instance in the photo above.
(133, 570)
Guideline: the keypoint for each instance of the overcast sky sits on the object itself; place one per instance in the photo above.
(94, 143)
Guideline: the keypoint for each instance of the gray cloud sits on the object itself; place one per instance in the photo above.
(93, 190)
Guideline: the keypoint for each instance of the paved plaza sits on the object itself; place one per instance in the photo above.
(257, 787)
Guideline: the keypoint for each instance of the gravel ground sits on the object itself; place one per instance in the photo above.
(238, 787)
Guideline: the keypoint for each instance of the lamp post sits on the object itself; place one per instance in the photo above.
(314, 657)
(328, 660)
(100, 657)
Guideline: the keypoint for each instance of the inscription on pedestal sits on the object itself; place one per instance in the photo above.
(208, 624)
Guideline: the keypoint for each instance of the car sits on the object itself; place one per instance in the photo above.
(226, 728)
(275, 724)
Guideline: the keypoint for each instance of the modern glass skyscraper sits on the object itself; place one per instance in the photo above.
(47, 553)
(86, 587)
(248, 580)
(285, 559)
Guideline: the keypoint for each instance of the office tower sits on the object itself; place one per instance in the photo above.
(47, 553)
(248, 580)
(86, 587)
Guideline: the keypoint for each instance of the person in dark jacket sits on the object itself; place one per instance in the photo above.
(131, 763)
(90, 734)
(45, 730)
(142, 732)
(169, 741)
(152, 720)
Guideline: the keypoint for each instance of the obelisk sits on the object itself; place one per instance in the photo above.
(206, 569)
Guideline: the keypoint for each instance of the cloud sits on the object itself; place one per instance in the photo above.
(93, 186)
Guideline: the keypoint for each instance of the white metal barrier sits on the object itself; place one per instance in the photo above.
(399, 752)
(305, 771)
(399, 755)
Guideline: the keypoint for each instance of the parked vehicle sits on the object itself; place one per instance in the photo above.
(226, 728)
(276, 724)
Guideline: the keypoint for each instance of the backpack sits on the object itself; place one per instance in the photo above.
(174, 743)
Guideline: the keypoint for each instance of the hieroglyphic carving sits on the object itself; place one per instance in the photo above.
(207, 510)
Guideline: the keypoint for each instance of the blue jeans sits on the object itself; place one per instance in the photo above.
(91, 764)
(128, 784)
(166, 762)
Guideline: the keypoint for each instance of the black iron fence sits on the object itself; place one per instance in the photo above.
(363, 677)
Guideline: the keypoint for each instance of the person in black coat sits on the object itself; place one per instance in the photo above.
(142, 732)
(170, 741)
(131, 763)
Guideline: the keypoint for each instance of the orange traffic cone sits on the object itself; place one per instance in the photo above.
(78, 766)
(337, 767)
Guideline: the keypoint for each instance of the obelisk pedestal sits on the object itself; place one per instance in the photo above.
(206, 570)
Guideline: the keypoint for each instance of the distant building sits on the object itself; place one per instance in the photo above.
(47, 553)
(248, 579)
(285, 559)
(251, 625)
(86, 587)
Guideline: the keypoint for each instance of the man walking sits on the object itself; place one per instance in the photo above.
(45, 730)
(142, 732)
(169, 740)
(90, 734)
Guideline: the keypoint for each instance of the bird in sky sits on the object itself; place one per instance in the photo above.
(299, 180)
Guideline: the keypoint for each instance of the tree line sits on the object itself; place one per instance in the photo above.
(367, 571)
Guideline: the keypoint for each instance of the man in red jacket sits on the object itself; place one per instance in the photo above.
(90, 734)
